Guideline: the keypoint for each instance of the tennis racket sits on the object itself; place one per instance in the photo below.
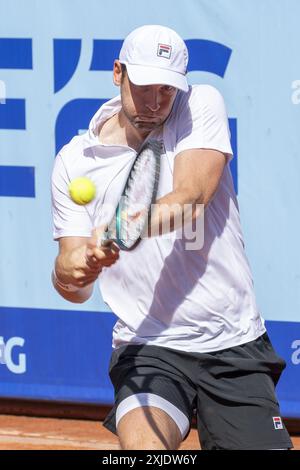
(134, 207)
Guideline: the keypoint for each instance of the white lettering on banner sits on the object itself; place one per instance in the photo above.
(6, 355)
(2, 92)
(2, 351)
(296, 94)
(296, 354)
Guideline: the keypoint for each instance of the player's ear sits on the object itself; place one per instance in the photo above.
(117, 73)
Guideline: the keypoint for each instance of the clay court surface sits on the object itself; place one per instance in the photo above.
(29, 433)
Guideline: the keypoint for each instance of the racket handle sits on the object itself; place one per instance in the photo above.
(105, 240)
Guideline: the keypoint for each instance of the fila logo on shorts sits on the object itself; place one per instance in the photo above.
(277, 422)
(164, 51)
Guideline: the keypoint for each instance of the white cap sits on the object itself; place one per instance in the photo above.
(155, 55)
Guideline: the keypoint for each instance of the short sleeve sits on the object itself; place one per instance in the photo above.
(202, 121)
(69, 219)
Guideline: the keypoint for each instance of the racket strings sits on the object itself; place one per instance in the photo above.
(139, 193)
(140, 185)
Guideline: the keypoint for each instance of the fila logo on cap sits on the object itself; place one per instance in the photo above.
(277, 422)
(164, 50)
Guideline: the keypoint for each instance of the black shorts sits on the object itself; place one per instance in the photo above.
(232, 391)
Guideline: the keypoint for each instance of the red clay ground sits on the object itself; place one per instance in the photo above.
(27, 433)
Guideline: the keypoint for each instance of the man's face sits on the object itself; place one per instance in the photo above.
(146, 107)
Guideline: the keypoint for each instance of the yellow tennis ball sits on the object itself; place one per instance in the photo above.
(82, 190)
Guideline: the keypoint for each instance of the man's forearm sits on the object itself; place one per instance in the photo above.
(172, 211)
(77, 297)
(68, 291)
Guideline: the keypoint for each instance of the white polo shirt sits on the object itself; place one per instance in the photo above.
(196, 300)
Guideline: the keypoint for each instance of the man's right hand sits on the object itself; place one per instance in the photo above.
(81, 260)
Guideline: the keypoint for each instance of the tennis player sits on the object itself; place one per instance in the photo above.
(190, 338)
